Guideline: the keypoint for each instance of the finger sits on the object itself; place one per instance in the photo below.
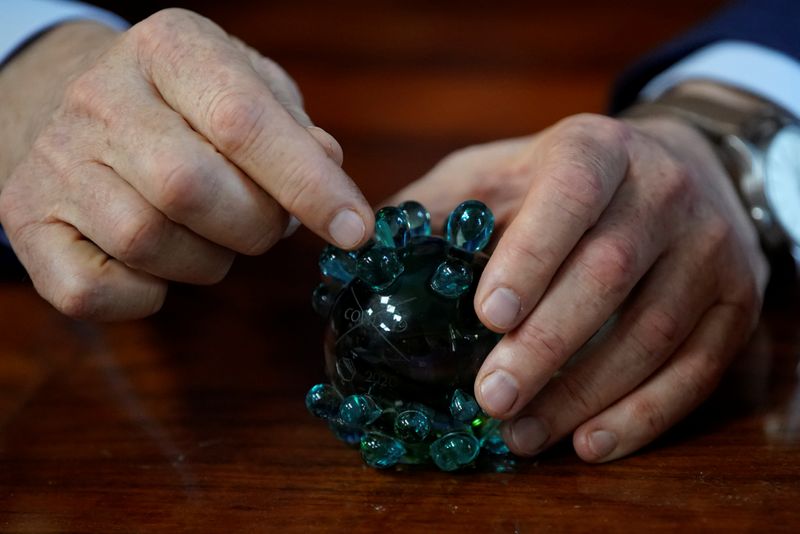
(280, 84)
(328, 143)
(649, 329)
(288, 95)
(216, 89)
(108, 211)
(577, 168)
(80, 280)
(669, 395)
(183, 176)
(593, 282)
(492, 173)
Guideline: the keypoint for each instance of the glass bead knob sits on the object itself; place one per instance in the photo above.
(403, 343)
(469, 226)
(392, 229)
(452, 278)
(419, 220)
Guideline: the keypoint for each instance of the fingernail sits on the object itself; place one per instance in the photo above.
(292, 227)
(529, 434)
(602, 443)
(499, 391)
(501, 308)
(347, 228)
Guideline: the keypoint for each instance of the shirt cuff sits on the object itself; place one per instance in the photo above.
(757, 69)
(24, 20)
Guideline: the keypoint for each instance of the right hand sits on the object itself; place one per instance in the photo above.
(158, 158)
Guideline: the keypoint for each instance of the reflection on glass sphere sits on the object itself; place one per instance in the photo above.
(403, 343)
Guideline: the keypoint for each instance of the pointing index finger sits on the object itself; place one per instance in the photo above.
(578, 168)
(206, 78)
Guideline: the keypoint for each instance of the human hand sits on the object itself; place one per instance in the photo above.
(157, 154)
(629, 224)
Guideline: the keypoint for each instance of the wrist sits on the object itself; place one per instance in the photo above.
(755, 139)
(33, 82)
(682, 138)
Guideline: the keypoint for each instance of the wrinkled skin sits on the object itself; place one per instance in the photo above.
(599, 218)
(157, 154)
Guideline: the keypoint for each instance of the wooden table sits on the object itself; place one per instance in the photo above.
(194, 420)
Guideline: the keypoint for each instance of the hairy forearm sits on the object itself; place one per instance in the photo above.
(32, 83)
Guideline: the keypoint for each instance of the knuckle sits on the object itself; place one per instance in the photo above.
(655, 331)
(548, 347)
(599, 128)
(181, 188)
(650, 413)
(580, 123)
(279, 76)
(744, 305)
(172, 38)
(588, 154)
(87, 95)
(613, 132)
(168, 18)
(137, 237)
(18, 215)
(78, 297)
(719, 235)
(9, 206)
(612, 264)
(303, 183)
(159, 27)
(580, 192)
(676, 184)
(752, 298)
(218, 271)
(261, 243)
(698, 375)
(235, 122)
(523, 253)
(580, 391)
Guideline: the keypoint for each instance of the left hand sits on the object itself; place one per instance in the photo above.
(633, 225)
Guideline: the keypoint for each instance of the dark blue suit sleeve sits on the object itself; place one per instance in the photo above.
(771, 23)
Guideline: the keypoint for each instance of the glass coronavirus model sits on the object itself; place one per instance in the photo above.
(403, 343)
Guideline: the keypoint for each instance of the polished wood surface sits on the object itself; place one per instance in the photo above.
(193, 420)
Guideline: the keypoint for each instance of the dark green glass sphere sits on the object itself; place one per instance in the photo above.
(403, 343)
(407, 341)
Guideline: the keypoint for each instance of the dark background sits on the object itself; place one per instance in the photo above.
(193, 420)
(413, 80)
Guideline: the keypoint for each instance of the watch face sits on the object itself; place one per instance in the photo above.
(782, 180)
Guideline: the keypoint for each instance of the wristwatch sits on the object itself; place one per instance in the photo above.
(759, 145)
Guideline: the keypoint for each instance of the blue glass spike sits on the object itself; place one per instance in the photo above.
(454, 450)
(391, 227)
(452, 278)
(323, 401)
(322, 299)
(359, 411)
(419, 220)
(412, 426)
(337, 264)
(493, 442)
(379, 267)
(381, 451)
(463, 406)
(350, 435)
(470, 226)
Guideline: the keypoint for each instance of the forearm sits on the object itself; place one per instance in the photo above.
(32, 84)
